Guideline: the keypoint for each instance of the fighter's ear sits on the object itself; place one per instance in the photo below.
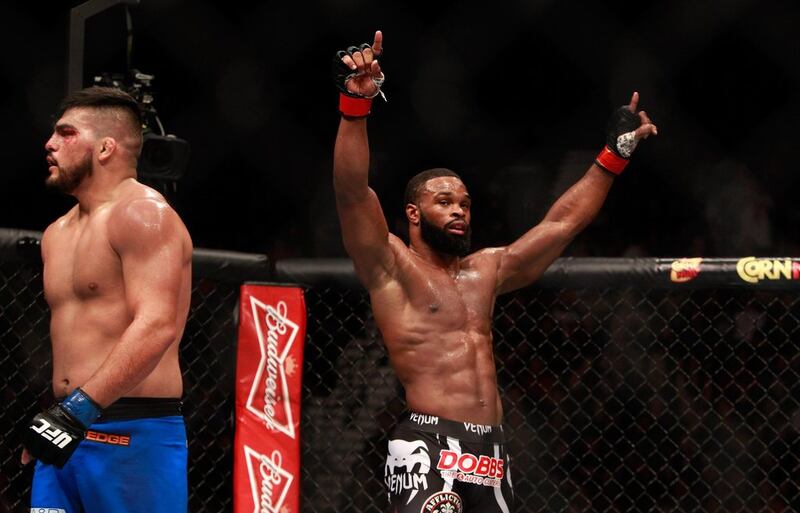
(412, 213)
(107, 146)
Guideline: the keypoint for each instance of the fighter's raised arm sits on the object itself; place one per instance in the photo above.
(528, 257)
(358, 76)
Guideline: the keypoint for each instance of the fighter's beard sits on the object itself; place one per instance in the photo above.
(67, 180)
(443, 241)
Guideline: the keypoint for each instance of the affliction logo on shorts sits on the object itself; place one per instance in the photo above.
(442, 502)
(108, 438)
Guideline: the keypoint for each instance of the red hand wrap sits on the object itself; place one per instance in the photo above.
(354, 107)
(610, 161)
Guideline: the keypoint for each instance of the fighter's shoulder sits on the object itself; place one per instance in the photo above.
(139, 203)
(485, 257)
(139, 211)
(59, 225)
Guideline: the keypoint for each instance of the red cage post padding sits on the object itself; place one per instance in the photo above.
(272, 330)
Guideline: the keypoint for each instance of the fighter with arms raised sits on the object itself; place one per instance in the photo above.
(433, 302)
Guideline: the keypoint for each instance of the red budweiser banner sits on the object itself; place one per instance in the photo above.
(266, 466)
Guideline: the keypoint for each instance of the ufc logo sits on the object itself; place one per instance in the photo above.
(59, 438)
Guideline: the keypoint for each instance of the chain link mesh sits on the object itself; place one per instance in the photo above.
(616, 400)
(207, 357)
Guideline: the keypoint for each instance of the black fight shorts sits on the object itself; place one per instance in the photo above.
(436, 465)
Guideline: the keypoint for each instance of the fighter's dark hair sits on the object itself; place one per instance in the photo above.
(417, 181)
(102, 98)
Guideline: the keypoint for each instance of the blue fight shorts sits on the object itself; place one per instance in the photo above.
(133, 459)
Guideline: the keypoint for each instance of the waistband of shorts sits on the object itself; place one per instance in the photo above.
(128, 408)
(467, 431)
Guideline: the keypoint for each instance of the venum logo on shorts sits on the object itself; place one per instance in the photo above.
(414, 458)
(442, 502)
(48, 510)
(479, 429)
(424, 420)
(276, 334)
(59, 438)
(469, 468)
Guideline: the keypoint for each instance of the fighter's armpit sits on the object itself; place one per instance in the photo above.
(377, 276)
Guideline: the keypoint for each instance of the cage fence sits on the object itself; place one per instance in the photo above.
(623, 390)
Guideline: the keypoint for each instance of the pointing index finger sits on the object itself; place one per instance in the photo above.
(634, 102)
(377, 45)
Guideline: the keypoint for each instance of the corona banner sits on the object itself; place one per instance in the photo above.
(272, 328)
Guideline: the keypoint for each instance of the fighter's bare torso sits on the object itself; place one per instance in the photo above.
(435, 309)
(84, 287)
(437, 329)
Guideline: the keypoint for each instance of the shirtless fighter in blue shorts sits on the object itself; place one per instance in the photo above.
(433, 300)
(117, 278)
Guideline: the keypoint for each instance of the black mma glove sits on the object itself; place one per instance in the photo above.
(620, 140)
(53, 435)
(352, 105)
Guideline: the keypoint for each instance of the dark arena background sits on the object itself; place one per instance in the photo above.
(623, 392)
